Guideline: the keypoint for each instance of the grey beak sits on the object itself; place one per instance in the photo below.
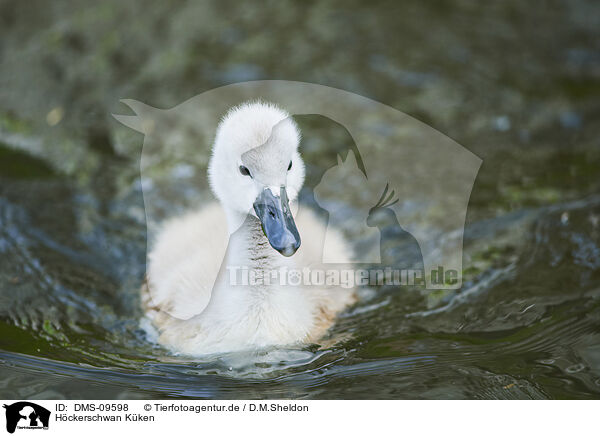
(277, 221)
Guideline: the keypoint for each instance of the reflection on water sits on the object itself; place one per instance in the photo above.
(72, 225)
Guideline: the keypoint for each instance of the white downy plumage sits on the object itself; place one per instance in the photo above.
(189, 297)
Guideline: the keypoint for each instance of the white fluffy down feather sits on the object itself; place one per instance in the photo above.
(189, 297)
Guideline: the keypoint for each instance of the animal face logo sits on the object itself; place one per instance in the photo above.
(26, 415)
(400, 196)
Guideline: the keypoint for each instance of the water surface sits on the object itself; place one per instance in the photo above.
(517, 85)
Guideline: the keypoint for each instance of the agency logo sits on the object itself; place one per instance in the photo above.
(26, 415)
(391, 197)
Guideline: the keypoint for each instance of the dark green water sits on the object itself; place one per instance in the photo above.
(516, 84)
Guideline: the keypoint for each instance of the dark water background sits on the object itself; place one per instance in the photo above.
(516, 83)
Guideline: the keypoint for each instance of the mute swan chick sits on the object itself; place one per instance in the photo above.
(190, 296)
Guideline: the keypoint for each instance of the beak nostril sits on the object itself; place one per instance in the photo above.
(272, 214)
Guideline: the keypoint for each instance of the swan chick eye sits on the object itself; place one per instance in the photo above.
(290, 166)
(245, 171)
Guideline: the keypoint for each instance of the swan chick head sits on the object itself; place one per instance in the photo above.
(255, 168)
